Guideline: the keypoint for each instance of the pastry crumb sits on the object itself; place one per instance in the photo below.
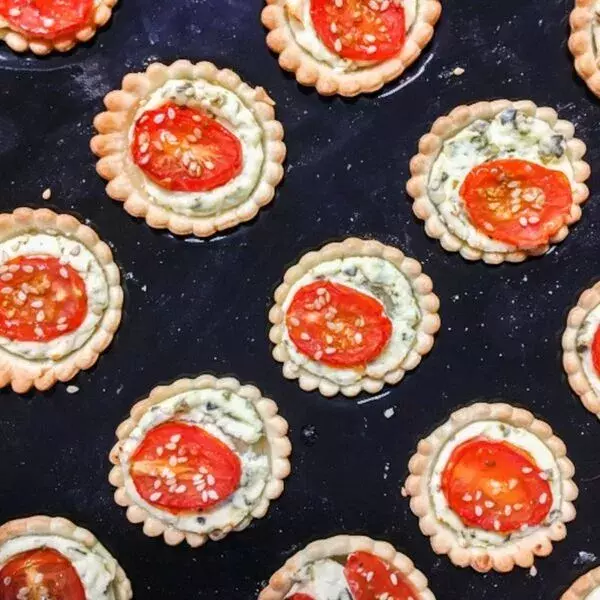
(46, 194)
(533, 571)
(403, 492)
(72, 389)
(389, 413)
(458, 71)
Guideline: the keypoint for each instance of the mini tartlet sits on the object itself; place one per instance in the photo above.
(584, 41)
(200, 458)
(189, 147)
(55, 25)
(353, 316)
(492, 487)
(581, 348)
(322, 44)
(587, 587)
(336, 565)
(51, 557)
(60, 298)
(499, 181)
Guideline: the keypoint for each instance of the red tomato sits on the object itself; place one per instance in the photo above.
(182, 468)
(370, 578)
(47, 19)
(495, 486)
(516, 201)
(337, 325)
(596, 351)
(44, 574)
(184, 149)
(360, 29)
(40, 299)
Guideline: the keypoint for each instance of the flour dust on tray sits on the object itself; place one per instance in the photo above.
(60, 298)
(353, 316)
(492, 487)
(189, 147)
(200, 458)
(50, 557)
(499, 181)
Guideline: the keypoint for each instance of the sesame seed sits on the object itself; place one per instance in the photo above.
(40, 316)
(210, 480)
(157, 484)
(369, 38)
(197, 132)
(543, 475)
(358, 338)
(6, 276)
(47, 21)
(204, 496)
(180, 489)
(7, 580)
(543, 498)
(523, 221)
(339, 3)
(172, 461)
(170, 113)
(294, 321)
(373, 5)
(144, 148)
(144, 159)
(526, 470)
(318, 355)
(478, 510)
(159, 451)
(489, 504)
(394, 578)
(333, 28)
(14, 12)
(191, 138)
(371, 49)
(38, 331)
(38, 578)
(478, 495)
(304, 336)
(170, 446)
(196, 118)
(175, 438)
(517, 506)
(497, 525)
(508, 510)
(513, 483)
(158, 119)
(155, 496)
(533, 219)
(6, 290)
(337, 45)
(330, 350)
(467, 498)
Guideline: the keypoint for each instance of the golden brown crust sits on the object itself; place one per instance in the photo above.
(448, 126)
(342, 545)
(572, 363)
(311, 72)
(276, 428)
(585, 585)
(581, 43)
(58, 526)
(422, 287)
(444, 540)
(115, 164)
(20, 42)
(22, 373)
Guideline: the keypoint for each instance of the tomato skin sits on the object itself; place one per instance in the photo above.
(370, 578)
(44, 572)
(356, 31)
(356, 333)
(40, 299)
(481, 471)
(186, 150)
(47, 19)
(193, 459)
(596, 351)
(516, 201)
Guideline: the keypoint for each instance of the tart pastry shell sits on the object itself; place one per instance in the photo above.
(112, 146)
(422, 288)
(276, 428)
(447, 127)
(520, 552)
(584, 586)
(578, 380)
(21, 42)
(311, 72)
(581, 44)
(58, 526)
(282, 580)
(22, 374)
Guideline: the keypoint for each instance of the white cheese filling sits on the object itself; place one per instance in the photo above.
(492, 430)
(585, 338)
(96, 568)
(594, 594)
(381, 280)
(232, 419)
(303, 29)
(230, 112)
(322, 580)
(75, 254)
(511, 134)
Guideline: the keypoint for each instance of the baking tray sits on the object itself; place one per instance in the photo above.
(195, 306)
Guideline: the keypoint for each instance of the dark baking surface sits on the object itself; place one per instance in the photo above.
(195, 306)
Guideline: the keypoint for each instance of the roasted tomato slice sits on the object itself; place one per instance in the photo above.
(41, 574)
(517, 202)
(596, 351)
(184, 149)
(40, 299)
(182, 468)
(337, 325)
(494, 485)
(370, 578)
(47, 19)
(360, 29)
